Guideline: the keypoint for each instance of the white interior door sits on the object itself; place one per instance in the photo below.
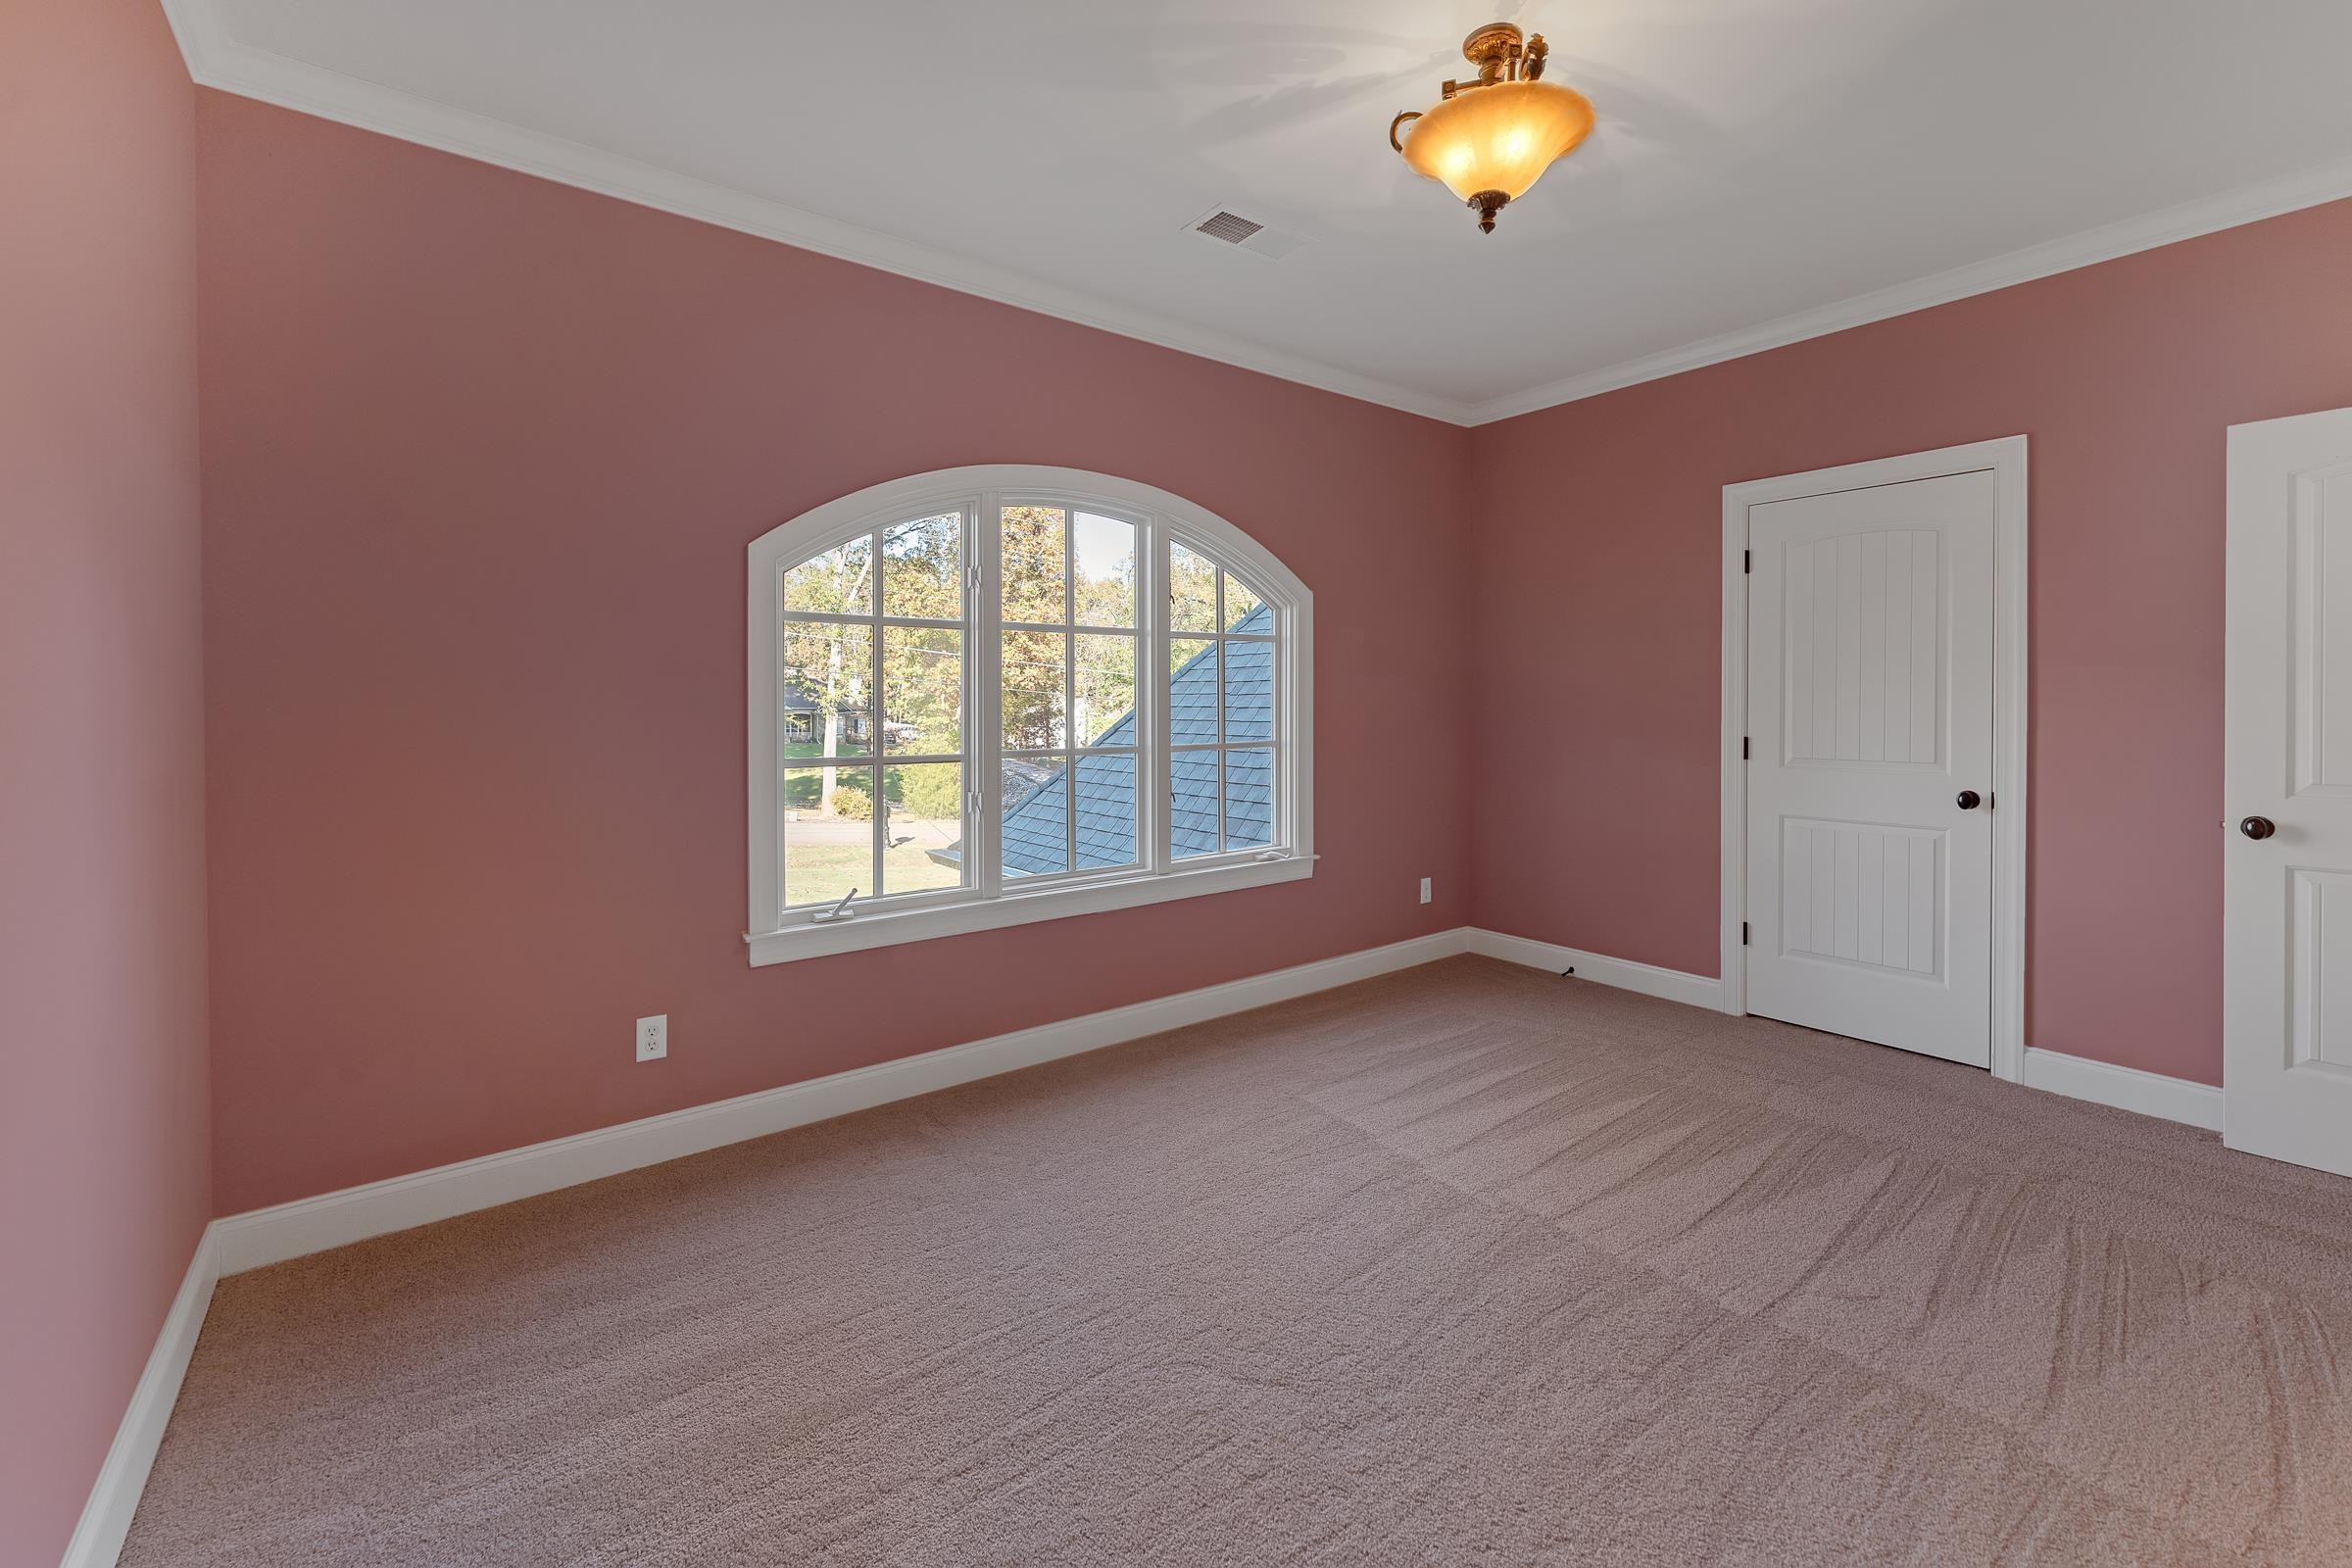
(2287, 875)
(1870, 713)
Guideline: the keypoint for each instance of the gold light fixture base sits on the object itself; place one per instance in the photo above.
(1489, 138)
(1491, 49)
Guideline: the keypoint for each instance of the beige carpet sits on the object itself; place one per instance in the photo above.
(1465, 1265)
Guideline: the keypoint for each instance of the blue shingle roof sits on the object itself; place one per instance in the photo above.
(1036, 825)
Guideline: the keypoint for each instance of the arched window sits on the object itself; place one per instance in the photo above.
(1001, 694)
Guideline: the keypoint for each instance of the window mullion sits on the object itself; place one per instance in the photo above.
(1224, 756)
(773, 660)
(1223, 651)
(1154, 780)
(987, 703)
(1070, 688)
(1278, 705)
(877, 742)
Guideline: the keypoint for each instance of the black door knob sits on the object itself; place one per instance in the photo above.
(2258, 827)
(1970, 799)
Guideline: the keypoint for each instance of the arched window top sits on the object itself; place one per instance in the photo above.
(1001, 693)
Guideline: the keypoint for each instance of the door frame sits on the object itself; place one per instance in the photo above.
(2005, 457)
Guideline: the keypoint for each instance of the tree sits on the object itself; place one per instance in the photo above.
(829, 661)
(1067, 660)
(1066, 687)
(1030, 561)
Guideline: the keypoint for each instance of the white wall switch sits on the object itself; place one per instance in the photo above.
(653, 1037)
(1425, 890)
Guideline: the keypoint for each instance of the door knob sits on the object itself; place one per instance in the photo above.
(1970, 799)
(2258, 827)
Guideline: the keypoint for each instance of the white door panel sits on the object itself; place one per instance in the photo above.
(1870, 709)
(2287, 896)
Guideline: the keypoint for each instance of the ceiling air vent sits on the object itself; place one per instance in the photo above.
(1230, 227)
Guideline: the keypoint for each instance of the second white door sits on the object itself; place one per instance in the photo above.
(1870, 794)
(2286, 866)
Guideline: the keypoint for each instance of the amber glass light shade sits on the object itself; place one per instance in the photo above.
(1497, 139)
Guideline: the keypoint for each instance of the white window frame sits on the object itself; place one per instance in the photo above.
(773, 935)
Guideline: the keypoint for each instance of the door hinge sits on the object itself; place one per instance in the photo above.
(1744, 933)
(1743, 747)
(1747, 561)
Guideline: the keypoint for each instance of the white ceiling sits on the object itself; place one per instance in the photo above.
(1763, 170)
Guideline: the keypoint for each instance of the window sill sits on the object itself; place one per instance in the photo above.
(882, 930)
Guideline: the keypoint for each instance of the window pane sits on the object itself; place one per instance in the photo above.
(1105, 714)
(840, 582)
(922, 689)
(1034, 672)
(1192, 590)
(1103, 570)
(824, 704)
(828, 834)
(1242, 607)
(1025, 775)
(1105, 811)
(1036, 832)
(922, 568)
(1249, 691)
(1249, 799)
(1191, 691)
(1031, 563)
(1192, 807)
(922, 827)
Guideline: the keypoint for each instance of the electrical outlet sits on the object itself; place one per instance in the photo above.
(653, 1037)
(1425, 890)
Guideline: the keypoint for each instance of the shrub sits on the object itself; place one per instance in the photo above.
(851, 801)
(933, 793)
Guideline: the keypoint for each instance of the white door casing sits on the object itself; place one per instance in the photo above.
(2287, 897)
(1900, 585)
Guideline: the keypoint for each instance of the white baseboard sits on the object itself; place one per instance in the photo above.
(335, 1219)
(106, 1518)
(1698, 989)
(2124, 1088)
(291, 1230)
(2079, 1077)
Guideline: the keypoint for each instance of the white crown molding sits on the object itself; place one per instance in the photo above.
(218, 60)
(2249, 204)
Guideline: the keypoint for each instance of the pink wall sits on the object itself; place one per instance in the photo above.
(1597, 566)
(481, 457)
(104, 1130)
(482, 453)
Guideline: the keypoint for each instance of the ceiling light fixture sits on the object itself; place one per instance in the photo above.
(1490, 139)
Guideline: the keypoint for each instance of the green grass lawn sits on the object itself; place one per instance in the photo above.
(908, 870)
(824, 857)
(802, 790)
(821, 873)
